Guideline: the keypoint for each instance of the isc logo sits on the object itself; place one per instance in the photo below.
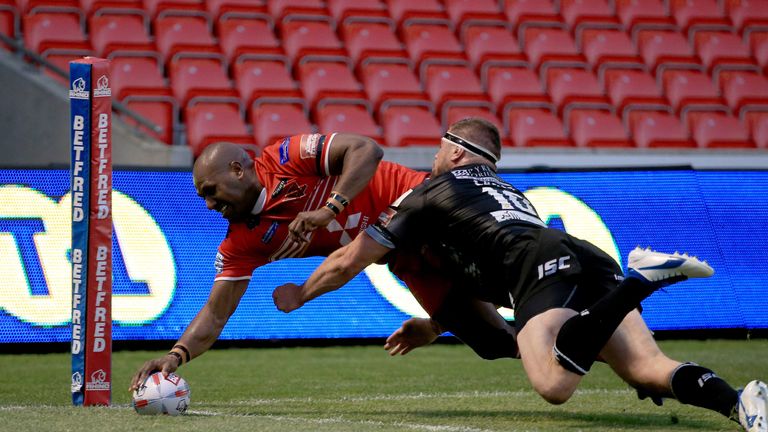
(146, 255)
(550, 267)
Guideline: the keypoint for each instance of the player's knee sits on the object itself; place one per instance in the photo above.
(556, 393)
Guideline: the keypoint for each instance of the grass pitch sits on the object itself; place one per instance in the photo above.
(442, 388)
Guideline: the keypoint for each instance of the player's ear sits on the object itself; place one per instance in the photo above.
(457, 153)
(237, 168)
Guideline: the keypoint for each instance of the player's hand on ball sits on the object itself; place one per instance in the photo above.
(288, 297)
(414, 333)
(308, 221)
(165, 364)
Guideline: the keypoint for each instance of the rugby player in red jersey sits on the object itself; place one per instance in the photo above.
(305, 195)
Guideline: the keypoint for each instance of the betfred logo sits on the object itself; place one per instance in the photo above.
(78, 90)
(102, 87)
(98, 381)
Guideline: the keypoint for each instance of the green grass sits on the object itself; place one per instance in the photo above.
(443, 388)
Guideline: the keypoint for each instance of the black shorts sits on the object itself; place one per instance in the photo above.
(552, 281)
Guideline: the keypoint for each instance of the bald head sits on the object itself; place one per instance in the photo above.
(225, 178)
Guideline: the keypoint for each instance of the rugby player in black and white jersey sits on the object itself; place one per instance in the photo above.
(572, 302)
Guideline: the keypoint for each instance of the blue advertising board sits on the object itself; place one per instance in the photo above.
(165, 241)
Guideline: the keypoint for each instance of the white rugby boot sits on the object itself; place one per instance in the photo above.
(651, 266)
(753, 407)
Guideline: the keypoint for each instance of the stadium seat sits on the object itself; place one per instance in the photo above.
(391, 83)
(597, 129)
(536, 128)
(758, 42)
(432, 43)
(464, 13)
(209, 122)
(136, 76)
(457, 113)
(176, 35)
(158, 8)
(488, 46)
(523, 14)
(160, 111)
(96, 7)
(9, 21)
(61, 59)
(546, 47)
(689, 90)
(453, 85)
(346, 12)
(609, 49)
(717, 130)
(222, 10)
(119, 32)
(511, 88)
(408, 12)
(584, 14)
(663, 50)
(695, 15)
(286, 10)
(656, 129)
(306, 40)
(256, 79)
(324, 82)
(368, 42)
(54, 31)
(352, 118)
(723, 51)
(575, 89)
(31, 7)
(744, 91)
(274, 121)
(248, 38)
(748, 15)
(758, 128)
(632, 90)
(638, 15)
(199, 77)
(410, 125)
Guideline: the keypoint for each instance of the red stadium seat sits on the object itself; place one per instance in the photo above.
(452, 85)
(324, 82)
(758, 42)
(348, 118)
(407, 12)
(94, 7)
(609, 49)
(9, 21)
(222, 10)
(455, 114)
(597, 129)
(633, 89)
(199, 77)
(285, 10)
(717, 130)
(758, 128)
(469, 12)
(349, 11)
(183, 34)
(551, 47)
(162, 112)
(662, 50)
(410, 125)
(656, 129)
(637, 15)
(691, 91)
(158, 8)
(61, 59)
(211, 122)
(54, 31)
(136, 76)
(744, 91)
(31, 7)
(583, 14)
(511, 88)
(387, 84)
(369, 42)
(275, 121)
(119, 32)
(248, 38)
(531, 13)
(488, 46)
(305, 40)
(722, 51)
(536, 128)
(575, 89)
(749, 15)
(430, 43)
(256, 79)
(695, 15)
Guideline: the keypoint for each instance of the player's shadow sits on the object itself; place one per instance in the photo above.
(573, 419)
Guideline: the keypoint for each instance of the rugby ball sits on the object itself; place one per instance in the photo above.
(162, 395)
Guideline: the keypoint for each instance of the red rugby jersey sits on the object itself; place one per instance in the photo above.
(294, 173)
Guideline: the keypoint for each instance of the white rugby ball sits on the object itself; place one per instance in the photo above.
(162, 395)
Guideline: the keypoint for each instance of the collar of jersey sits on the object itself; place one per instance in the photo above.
(260, 202)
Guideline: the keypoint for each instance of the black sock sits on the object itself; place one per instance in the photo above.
(582, 337)
(698, 386)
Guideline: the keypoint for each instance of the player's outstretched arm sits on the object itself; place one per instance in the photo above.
(354, 158)
(335, 271)
(201, 333)
(414, 333)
